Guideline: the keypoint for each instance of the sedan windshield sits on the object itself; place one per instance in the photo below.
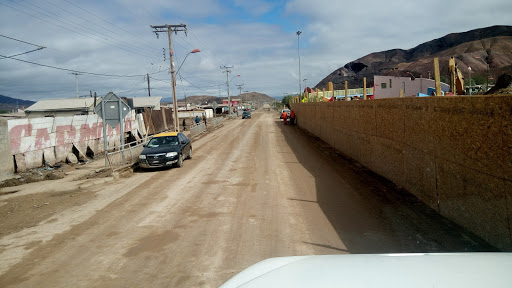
(163, 141)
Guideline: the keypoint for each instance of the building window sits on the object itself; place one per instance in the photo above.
(389, 83)
(383, 85)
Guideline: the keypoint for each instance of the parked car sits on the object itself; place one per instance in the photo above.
(246, 115)
(166, 149)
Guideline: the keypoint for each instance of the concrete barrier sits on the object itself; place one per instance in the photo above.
(6, 170)
(50, 139)
(453, 153)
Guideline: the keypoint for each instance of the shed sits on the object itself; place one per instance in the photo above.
(62, 107)
(139, 103)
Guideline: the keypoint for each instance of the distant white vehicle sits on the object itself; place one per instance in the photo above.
(266, 106)
(380, 270)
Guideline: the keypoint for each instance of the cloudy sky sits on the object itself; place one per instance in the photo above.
(111, 44)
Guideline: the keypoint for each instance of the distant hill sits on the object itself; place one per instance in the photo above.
(254, 97)
(492, 45)
(8, 103)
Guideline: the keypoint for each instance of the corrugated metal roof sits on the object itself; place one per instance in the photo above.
(139, 102)
(63, 104)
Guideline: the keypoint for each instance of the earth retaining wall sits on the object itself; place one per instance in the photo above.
(453, 153)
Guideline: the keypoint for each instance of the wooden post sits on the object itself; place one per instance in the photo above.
(331, 88)
(401, 93)
(364, 88)
(323, 96)
(317, 94)
(437, 77)
(346, 90)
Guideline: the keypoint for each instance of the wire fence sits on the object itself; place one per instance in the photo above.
(217, 121)
(121, 157)
(197, 129)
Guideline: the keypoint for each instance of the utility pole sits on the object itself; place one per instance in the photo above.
(76, 80)
(227, 70)
(240, 87)
(149, 89)
(170, 29)
(298, 52)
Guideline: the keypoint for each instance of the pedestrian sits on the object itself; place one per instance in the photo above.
(292, 117)
(197, 120)
(284, 115)
(184, 125)
(204, 120)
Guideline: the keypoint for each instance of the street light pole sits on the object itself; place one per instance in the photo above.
(76, 80)
(298, 53)
(191, 52)
(487, 76)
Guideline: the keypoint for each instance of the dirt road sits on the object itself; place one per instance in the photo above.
(254, 189)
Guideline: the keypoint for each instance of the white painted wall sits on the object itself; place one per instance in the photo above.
(31, 139)
(412, 87)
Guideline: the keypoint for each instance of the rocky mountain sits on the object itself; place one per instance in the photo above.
(8, 103)
(475, 48)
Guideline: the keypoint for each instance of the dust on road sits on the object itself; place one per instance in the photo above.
(255, 189)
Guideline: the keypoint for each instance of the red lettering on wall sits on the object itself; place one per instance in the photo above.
(87, 132)
(41, 138)
(63, 133)
(16, 133)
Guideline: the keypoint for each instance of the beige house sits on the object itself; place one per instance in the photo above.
(62, 107)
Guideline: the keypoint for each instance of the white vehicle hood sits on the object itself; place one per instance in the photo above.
(380, 270)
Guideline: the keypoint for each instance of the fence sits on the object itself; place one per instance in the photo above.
(128, 156)
(197, 129)
(217, 121)
(350, 92)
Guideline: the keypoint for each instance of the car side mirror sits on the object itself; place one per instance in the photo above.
(183, 142)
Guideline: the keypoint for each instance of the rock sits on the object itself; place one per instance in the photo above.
(71, 158)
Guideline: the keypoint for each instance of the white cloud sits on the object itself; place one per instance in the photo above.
(115, 38)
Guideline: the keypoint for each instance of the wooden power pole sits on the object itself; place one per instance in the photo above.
(170, 29)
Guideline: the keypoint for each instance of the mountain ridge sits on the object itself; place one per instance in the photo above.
(491, 45)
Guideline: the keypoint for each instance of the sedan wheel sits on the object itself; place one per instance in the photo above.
(180, 161)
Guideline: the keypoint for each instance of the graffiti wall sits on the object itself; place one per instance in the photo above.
(36, 140)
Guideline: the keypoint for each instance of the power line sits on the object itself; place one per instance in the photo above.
(21, 41)
(100, 26)
(63, 27)
(110, 23)
(76, 71)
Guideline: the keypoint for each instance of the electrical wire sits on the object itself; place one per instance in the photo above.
(77, 32)
(150, 48)
(108, 22)
(21, 41)
(33, 50)
(77, 71)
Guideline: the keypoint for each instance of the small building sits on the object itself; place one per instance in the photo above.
(234, 102)
(390, 86)
(62, 107)
(139, 103)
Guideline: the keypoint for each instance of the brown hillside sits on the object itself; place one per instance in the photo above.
(254, 97)
(491, 44)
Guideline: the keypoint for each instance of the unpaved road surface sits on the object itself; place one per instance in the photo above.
(254, 189)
